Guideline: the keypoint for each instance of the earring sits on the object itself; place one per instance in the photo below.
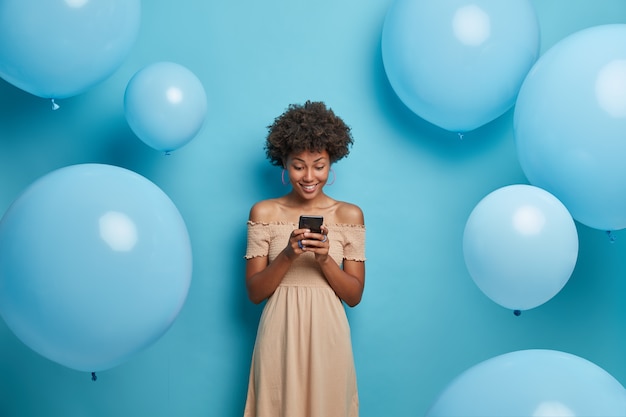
(334, 177)
(282, 177)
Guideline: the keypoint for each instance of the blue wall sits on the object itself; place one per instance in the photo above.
(422, 320)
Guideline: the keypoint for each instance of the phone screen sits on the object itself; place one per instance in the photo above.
(314, 223)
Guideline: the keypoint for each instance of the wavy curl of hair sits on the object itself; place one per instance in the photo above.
(307, 127)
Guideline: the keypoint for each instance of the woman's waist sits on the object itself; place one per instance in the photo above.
(309, 280)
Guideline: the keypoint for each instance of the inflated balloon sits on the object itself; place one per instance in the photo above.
(165, 105)
(569, 124)
(536, 382)
(520, 246)
(459, 64)
(95, 265)
(58, 49)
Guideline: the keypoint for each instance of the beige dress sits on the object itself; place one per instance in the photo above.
(302, 365)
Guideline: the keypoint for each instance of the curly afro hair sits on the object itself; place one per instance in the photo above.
(308, 127)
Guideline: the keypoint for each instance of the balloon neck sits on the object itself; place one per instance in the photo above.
(94, 378)
(55, 106)
(517, 312)
(611, 236)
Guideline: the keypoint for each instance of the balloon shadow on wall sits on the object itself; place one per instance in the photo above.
(122, 148)
(244, 312)
(68, 135)
(444, 143)
(267, 185)
(18, 107)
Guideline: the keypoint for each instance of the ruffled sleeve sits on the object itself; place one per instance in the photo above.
(354, 242)
(258, 240)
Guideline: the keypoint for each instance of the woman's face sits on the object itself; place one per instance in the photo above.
(308, 172)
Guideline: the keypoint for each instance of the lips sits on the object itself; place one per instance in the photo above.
(308, 188)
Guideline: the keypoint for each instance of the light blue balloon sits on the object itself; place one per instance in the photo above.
(459, 64)
(95, 265)
(535, 382)
(165, 105)
(57, 49)
(520, 246)
(569, 124)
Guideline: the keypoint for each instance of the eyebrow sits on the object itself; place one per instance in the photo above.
(315, 161)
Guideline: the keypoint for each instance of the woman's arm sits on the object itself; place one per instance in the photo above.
(262, 276)
(349, 282)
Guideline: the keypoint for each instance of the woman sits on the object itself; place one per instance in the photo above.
(302, 365)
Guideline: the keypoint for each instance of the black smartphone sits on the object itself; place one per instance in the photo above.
(314, 223)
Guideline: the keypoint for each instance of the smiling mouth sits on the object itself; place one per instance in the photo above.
(308, 188)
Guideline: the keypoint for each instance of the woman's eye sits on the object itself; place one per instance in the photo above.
(320, 168)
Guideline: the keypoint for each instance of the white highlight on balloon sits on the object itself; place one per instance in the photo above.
(553, 409)
(174, 95)
(611, 88)
(471, 25)
(76, 3)
(528, 220)
(118, 231)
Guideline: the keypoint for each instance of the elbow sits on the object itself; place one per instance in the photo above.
(255, 300)
(256, 297)
(355, 297)
(353, 301)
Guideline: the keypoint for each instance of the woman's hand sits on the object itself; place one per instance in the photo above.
(295, 246)
(314, 242)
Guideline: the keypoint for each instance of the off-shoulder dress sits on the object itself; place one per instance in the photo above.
(302, 365)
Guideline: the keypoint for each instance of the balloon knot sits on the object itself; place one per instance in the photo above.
(611, 236)
(55, 106)
(460, 135)
(94, 377)
(517, 312)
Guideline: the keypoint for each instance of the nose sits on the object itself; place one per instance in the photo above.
(308, 175)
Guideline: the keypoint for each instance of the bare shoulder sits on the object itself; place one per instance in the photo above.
(348, 213)
(264, 211)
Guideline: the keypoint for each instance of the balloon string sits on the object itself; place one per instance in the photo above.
(55, 106)
(94, 377)
(611, 236)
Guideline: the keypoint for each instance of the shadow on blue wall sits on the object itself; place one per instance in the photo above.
(450, 146)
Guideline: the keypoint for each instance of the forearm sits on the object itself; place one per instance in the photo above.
(262, 284)
(348, 287)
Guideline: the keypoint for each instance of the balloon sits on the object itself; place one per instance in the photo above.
(520, 246)
(536, 382)
(165, 105)
(459, 64)
(58, 49)
(569, 124)
(95, 265)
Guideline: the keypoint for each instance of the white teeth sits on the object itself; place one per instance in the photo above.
(308, 187)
